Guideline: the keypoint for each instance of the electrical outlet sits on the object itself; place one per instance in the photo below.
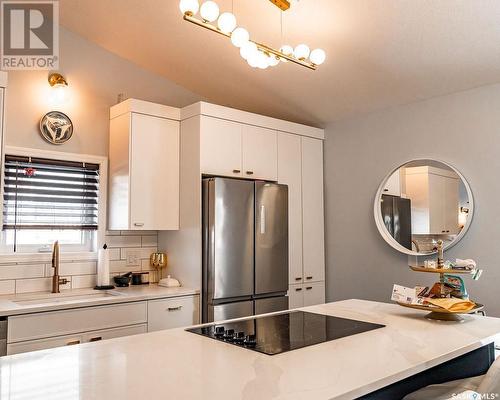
(133, 258)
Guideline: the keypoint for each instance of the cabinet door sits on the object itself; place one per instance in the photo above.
(436, 204)
(289, 173)
(220, 147)
(313, 235)
(314, 293)
(451, 205)
(259, 153)
(295, 296)
(173, 313)
(154, 173)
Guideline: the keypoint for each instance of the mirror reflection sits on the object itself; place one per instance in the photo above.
(424, 201)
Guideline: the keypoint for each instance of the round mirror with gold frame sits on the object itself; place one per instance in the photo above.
(420, 202)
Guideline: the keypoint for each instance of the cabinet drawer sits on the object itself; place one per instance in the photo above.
(67, 322)
(68, 340)
(173, 313)
(314, 293)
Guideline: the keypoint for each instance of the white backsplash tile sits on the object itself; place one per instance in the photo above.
(22, 271)
(83, 281)
(35, 276)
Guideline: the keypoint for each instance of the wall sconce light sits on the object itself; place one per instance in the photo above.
(59, 87)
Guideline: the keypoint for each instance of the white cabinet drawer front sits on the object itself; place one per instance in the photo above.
(112, 333)
(68, 340)
(57, 323)
(173, 313)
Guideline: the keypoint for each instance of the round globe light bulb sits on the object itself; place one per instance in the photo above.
(301, 52)
(248, 50)
(318, 56)
(59, 95)
(226, 22)
(272, 60)
(190, 7)
(209, 11)
(287, 50)
(262, 60)
(239, 37)
(253, 59)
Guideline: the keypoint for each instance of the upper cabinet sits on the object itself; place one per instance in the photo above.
(434, 194)
(143, 167)
(229, 148)
(220, 147)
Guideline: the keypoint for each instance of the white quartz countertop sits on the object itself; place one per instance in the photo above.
(175, 364)
(37, 302)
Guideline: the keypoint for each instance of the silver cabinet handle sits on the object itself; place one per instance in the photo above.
(174, 308)
(138, 223)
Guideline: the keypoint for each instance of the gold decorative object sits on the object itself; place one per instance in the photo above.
(281, 4)
(56, 79)
(158, 261)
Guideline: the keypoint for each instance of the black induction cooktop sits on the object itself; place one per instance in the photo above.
(279, 333)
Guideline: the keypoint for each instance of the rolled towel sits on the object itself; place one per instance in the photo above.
(453, 304)
(469, 264)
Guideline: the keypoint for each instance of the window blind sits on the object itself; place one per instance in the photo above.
(50, 194)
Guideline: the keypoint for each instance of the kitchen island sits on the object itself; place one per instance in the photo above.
(176, 364)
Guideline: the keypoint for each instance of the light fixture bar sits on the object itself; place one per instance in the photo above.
(188, 17)
(282, 4)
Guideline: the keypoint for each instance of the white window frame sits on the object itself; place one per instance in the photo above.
(102, 200)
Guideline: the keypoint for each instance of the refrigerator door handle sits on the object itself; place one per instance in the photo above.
(262, 219)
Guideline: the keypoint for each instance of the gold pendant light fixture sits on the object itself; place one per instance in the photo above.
(257, 55)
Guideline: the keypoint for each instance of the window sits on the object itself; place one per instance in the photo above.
(47, 200)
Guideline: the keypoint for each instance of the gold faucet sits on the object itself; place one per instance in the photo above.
(56, 280)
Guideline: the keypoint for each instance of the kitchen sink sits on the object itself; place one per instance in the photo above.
(65, 298)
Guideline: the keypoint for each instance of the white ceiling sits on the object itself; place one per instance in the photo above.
(381, 53)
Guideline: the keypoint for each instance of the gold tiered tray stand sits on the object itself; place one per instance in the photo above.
(438, 313)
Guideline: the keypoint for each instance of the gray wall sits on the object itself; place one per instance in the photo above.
(462, 129)
(95, 78)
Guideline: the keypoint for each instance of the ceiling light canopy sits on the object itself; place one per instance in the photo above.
(257, 55)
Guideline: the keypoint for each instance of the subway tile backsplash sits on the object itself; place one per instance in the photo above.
(28, 277)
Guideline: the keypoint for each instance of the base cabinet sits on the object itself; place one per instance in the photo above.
(51, 329)
(307, 294)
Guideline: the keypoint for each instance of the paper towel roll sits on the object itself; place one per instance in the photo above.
(103, 267)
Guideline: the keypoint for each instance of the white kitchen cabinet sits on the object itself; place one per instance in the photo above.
(144, 167)
(306, 294)
(259, 149)
(173, 313)
(393, 184)
(74, 321)
(290, 173)
(233, 149)
(69, 340)
(295, 296)
(313, 235)
(434, 195)
(220, 147)
(314, 293)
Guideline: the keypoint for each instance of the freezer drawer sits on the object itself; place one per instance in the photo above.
(228, 238)
(271, 304)
(222, 312)
(271, 238)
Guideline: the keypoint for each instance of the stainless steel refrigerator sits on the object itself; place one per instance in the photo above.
(245, 248)
(396, 213)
